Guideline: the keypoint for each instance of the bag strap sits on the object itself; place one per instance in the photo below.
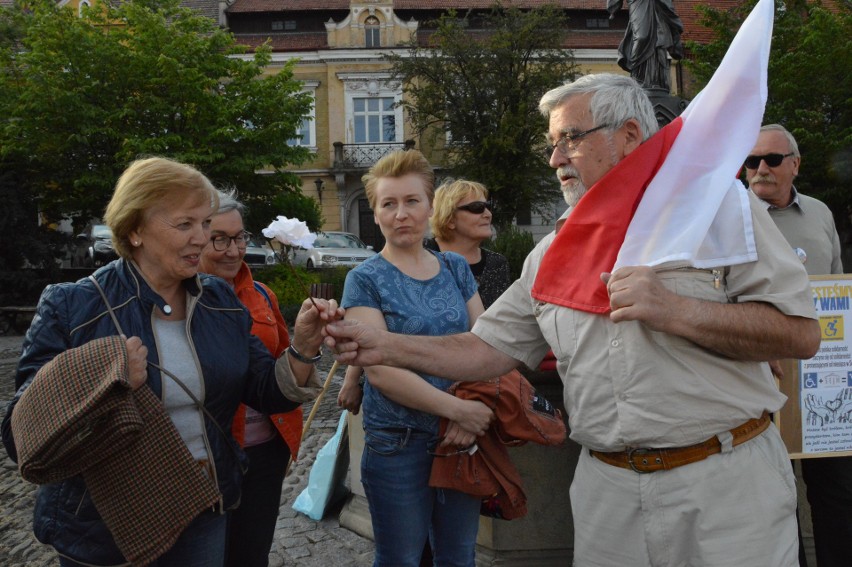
(259, 287)
(108, 306)
(162, 370)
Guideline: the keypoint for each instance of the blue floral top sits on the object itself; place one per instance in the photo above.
(433, 307)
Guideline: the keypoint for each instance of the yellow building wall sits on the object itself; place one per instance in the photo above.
(330, 98)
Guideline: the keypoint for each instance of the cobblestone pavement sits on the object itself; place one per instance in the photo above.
(298, 540)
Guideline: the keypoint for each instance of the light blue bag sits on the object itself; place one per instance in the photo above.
(326, 480)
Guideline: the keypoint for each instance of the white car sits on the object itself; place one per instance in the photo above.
(332, 249)
(259, 254)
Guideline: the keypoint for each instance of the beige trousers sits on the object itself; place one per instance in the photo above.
(734, 509)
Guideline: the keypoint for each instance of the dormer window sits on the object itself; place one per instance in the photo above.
(283, 25)
(371, 29)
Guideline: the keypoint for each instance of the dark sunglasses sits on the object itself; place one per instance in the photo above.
(476, 207)
(772, 160)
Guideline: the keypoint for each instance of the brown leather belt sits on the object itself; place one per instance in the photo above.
(653, 460)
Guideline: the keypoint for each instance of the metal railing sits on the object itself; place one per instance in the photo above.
(365, 155)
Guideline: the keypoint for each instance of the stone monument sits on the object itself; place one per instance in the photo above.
(652, 35)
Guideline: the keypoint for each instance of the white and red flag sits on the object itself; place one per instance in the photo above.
(675, 200)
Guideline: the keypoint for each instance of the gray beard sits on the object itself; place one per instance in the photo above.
(572, 196)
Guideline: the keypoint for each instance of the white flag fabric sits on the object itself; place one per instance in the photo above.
(695, 212)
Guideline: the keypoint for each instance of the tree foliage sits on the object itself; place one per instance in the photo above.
(476, 90)
(293, 205)
(83, 95)
(515, 244)
(809, 89)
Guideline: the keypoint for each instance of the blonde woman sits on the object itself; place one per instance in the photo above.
(461, 222)
(190, 324)
(407, 288)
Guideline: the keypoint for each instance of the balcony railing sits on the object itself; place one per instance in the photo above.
(348, 156)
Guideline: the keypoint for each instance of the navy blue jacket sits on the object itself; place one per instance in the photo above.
(234, 365)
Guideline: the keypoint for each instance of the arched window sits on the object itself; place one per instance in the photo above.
(371, 28)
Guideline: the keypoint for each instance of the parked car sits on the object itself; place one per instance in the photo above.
(259, 254)
(332, 249)
(93, 247)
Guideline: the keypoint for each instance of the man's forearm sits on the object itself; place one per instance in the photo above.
(462, 357)
(745, 331)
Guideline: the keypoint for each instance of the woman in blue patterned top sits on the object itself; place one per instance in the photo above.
(409, 289)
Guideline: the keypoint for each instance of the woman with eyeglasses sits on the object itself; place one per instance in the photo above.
(409, 289)
(268, 440)
(461, 222)
(189, 341)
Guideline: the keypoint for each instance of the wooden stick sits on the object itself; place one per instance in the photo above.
(314, 409)
(325, 386)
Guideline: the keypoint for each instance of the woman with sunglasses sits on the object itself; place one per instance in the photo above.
(409, 289)
(268, 440)
(460, 223)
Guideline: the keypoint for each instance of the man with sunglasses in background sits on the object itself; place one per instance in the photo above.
(808, 225)
(661, 366)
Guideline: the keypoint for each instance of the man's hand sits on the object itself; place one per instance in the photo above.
(637, 294)
(356, 343)
(137, 362)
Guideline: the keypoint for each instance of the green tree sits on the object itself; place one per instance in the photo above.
(476, 89)
(82, 96)
(809, 89)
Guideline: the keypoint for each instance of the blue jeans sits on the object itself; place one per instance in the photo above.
(405, 511)
(201, 544)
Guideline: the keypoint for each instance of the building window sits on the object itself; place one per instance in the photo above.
(374, 120)
(306, 135)
(371, 28)
(373, 114)
(597, 23)
(283, 25)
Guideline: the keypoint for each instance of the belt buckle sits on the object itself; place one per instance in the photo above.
(637, 451)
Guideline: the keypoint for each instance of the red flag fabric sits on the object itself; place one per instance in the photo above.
(589, 241)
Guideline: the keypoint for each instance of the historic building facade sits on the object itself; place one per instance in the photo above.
(340, 46)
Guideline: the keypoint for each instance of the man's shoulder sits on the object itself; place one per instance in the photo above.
(545, 242)
(806, 201)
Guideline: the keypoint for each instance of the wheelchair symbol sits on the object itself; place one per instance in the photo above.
(810, 380)
(831, 329)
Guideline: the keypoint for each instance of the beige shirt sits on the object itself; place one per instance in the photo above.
(808, 226)
(628, 386)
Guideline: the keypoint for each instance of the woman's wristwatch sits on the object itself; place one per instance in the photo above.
(302, 358)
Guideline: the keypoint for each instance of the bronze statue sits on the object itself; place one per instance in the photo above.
(653, 33)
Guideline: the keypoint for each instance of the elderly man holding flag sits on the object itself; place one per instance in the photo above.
(663, 292)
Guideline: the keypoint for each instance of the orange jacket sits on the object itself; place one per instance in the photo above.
(521, 415)
(269, 326)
